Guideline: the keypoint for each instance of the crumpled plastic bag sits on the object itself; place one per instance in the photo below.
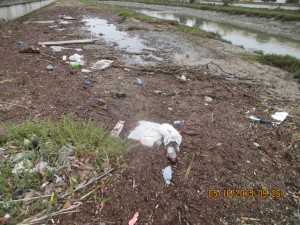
(149, 133)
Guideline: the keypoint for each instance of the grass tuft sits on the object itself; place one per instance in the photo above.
(47, 141)
(286, 62)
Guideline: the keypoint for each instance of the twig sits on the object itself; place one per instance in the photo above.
(15, 105)
(88, 183)
(87, 94)
(86, 195)
(4, 81)
(49, 56)
(189, 168)
(62, 211)
(45, 60)
(25, 199)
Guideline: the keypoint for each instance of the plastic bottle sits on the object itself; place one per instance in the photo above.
(74, 65)
(171, 155)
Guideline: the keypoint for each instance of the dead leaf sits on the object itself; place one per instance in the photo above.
(67, 204)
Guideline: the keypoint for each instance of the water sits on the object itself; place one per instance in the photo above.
(102, 29)
(250, 39)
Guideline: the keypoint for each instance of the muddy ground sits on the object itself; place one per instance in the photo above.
(222, 148)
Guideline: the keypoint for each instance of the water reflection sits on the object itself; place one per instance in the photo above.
(250, 39)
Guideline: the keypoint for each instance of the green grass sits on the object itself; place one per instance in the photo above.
(286, 62)
(45, 141)
(267, 13)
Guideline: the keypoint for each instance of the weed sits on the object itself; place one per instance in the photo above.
(45, 141)
(259, 52)
(286, 62)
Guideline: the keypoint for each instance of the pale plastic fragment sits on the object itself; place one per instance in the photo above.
(102, 64)
(22, 166)
(280, 116)
(170, 134)
(167, 174)
(134, 219)
(149, 133)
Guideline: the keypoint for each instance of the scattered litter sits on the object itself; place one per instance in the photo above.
(139, 81)
(135, 166)
(157, 91)
(170, 134)
(7, 217)
(59, 48)
(74, 65)
(149, 133)
(257, 120)
(64, 22)
(178, 122)
(77, 58)
(182, 78)
(127, 70)
(2, 149)
(52, 27)
(83, 41)
(64, 58)
(20, 43)
(167, 174)
(256, 145)
(171, 155)
(41, 167)
(146, 132)
(30, 50)
(58, 179)
(208, 99)
(117, 129)
(22, 166)
(170, 109)
(87, 82)
(134, 219)
(50, 68)
(68, 18)
(280, 116)
(41, 21)
(102, 64)
(85, 71)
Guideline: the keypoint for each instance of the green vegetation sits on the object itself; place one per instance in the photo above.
(48, 141)
(286, 62)
(268, 13)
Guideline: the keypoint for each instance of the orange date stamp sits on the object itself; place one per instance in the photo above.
(244, 193)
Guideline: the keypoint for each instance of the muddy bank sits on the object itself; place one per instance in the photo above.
(289, 29)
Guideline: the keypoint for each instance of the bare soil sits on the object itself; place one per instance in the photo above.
(217, 152)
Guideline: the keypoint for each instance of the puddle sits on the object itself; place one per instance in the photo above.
(250, 39)
(100, 28)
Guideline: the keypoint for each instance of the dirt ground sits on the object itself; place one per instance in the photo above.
(222, 148)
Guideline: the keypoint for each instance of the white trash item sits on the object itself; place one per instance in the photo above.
(167, 174)
(280, 116)
(146, 132)
(77, 58)
(102, 64)
(149, 133)
(22, 166)
(170, 134)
